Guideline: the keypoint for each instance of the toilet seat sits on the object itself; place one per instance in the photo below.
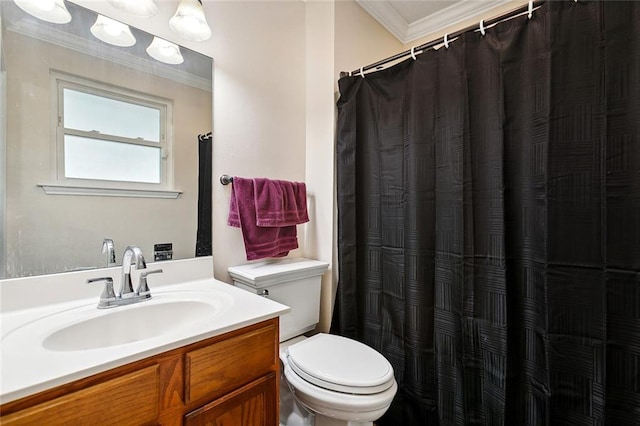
(340, 364)
(338, 405)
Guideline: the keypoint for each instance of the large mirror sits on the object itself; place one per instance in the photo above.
(54, 217)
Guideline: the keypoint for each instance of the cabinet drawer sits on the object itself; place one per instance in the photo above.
(131, 399)
(226, 365)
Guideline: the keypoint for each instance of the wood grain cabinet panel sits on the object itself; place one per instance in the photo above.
(251, 405)
(218, 368)
(128, 400)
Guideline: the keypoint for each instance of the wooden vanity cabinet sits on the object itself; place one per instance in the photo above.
(229, 380)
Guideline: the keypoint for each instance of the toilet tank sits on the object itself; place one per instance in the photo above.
(292, 282)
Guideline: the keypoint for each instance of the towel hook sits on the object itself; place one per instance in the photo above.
(530, 9)
(446, 41)
(482, 30)
(361, 72)
(413, 53)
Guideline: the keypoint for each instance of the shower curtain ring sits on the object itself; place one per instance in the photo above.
(413, 54)
(530, 9)
(361, 72)
(446, 41)
(482, 31)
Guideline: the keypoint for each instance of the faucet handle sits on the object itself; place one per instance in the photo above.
(108, 295)
(143, 288)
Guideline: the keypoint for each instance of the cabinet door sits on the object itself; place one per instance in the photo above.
(252, 405)
(128, 400)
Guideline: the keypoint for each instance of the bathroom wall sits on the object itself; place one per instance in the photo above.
(305, 45)
(259, 106)
(360, 39)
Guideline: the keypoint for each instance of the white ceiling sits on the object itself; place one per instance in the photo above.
(410, 20)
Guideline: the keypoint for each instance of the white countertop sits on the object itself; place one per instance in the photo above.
(28, 367)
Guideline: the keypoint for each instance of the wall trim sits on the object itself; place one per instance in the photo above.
(406, 32)
(108, 192)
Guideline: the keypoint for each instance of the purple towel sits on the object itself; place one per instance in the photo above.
(280, 203)
(267, 241)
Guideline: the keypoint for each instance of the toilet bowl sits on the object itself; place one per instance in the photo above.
(326, 380)
(340, 380)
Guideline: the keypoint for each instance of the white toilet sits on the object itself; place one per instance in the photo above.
(339, 381)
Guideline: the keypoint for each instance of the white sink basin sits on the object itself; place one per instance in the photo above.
(133, 323)
(43, 345)
(167, 316)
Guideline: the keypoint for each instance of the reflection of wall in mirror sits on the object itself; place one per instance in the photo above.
(55, 233)
(3, 158)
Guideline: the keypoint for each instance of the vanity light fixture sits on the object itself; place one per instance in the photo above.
(142, 8)
(47, 10)
(189, 21)
(112, 32)
(165, 51)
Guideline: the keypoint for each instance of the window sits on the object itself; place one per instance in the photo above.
(110, 137)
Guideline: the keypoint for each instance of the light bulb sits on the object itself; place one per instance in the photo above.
(48, 10)
(165, 51)
(112, 32)
(189, 21)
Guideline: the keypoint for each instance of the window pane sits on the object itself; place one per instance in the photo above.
(86, 112)
(86, 158)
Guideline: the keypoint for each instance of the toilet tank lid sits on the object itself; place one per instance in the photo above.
(270, 272)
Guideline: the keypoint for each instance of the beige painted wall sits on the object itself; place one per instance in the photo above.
(320, 119)
(55, 233)
(360, 40)
(259, 107)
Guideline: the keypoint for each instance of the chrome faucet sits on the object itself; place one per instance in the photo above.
(109, 299)
(131, 255)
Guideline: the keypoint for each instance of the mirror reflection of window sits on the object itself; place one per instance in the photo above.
(56, 224)
(110, 134)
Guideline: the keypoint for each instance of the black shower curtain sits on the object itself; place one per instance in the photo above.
(489, 221)
(203, 233)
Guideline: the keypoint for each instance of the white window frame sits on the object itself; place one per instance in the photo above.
(78, 186)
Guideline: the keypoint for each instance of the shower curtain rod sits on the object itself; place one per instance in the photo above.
(528, 8)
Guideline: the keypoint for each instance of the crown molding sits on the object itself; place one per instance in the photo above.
(386, 15)
(452, 15)
(406, 32)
